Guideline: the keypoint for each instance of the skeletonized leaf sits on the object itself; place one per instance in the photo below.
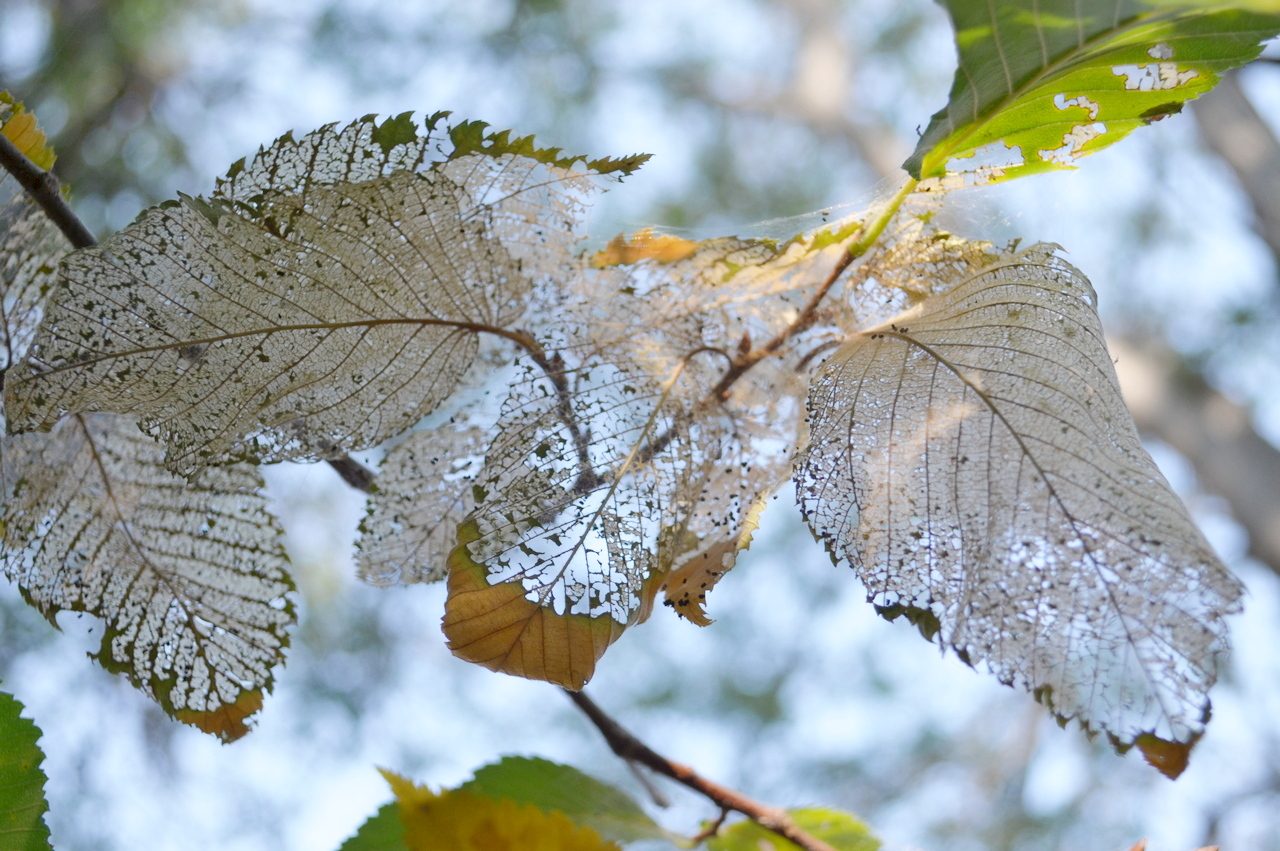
(618, 460)
(424, 491)
(324, 299)
(1041, 85)
(581, 505)
(974, 461)
(190, 579)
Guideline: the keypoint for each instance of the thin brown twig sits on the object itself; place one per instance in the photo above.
(623, 743)
(44, 189)
(711, 829)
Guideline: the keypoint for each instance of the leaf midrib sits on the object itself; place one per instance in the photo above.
(460, 325)
(1122, 615)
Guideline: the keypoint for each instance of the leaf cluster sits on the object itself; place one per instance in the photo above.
(570, 436)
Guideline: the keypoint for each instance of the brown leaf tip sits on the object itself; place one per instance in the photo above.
(229, 721)
(1169, 758)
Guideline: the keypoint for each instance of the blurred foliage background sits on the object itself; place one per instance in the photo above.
(756, 110)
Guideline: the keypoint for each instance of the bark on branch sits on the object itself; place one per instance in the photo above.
(46, 191)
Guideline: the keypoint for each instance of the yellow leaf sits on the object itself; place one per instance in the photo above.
(21, 129)
(454, 820)
(643, 245)
(498, 627)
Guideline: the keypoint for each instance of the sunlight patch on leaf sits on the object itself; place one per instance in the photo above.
(973, 459)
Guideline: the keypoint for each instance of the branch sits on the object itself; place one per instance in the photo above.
(43, 188)
(1231, 127)
(627, 746)
(1170, 401)
(46, 191)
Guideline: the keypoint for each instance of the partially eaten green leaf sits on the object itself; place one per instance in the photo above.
(1041, 85)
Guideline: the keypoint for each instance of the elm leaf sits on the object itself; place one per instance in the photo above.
(1041, 85)
(190, 579)
(327, 296)
(973, 460)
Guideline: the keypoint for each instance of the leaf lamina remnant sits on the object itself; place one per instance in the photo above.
(1041, 85)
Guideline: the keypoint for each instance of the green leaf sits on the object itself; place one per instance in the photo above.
(22, 801)
(552, 787)
(470, 137)
(382, 831)
(840, 830)
(1041, 85)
